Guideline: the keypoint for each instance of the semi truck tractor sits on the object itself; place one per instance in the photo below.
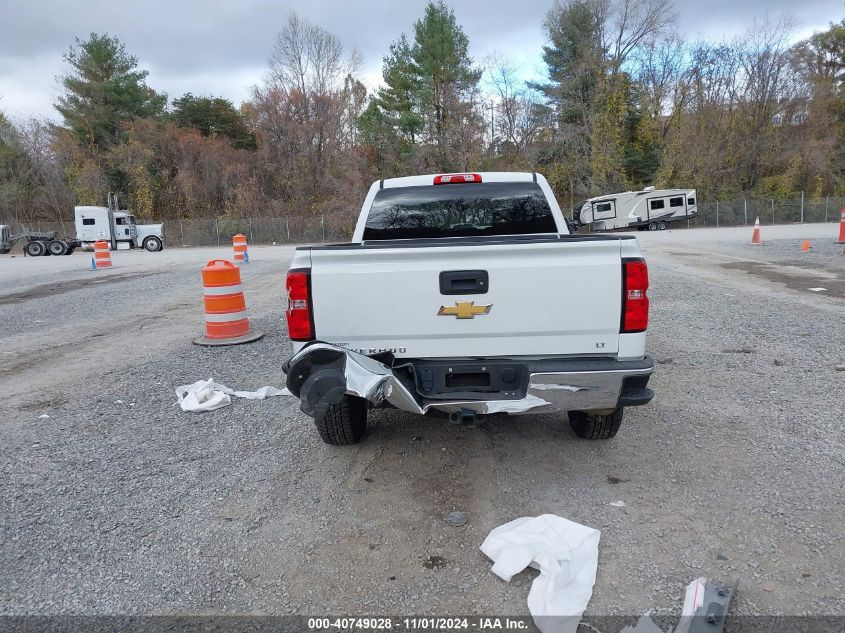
(119, 228)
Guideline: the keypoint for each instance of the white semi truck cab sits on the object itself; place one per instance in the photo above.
(466, 294)
(92, 224)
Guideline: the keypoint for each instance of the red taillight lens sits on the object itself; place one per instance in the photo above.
(455, 179)
(298, 311)
(634, 295)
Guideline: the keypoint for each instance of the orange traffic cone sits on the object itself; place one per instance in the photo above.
(841, 239)
(755, 237)
(805, 246)
(102, 257)
(226, 322)
(239, 244)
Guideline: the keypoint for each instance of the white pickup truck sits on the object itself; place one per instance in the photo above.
(467, 294)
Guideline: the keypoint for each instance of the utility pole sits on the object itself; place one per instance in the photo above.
(112, 207)
(492, 123)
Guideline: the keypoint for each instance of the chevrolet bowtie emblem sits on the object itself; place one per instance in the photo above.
(464, 310)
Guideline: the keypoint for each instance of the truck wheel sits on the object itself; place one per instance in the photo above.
(35, 249)
(652, 226)
(663, 226)
(343, 423)
(57, 247)
(591, 426)
(152, 244)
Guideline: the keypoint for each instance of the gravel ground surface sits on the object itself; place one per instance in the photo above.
(120, 503)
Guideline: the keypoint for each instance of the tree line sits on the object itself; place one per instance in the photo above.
(626, 102)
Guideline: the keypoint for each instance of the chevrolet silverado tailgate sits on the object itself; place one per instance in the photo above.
(539, 297)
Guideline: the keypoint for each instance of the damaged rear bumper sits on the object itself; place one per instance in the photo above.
(320, 374)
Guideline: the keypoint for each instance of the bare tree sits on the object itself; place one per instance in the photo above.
(658, 67)
(305, 113)
(308, 59)
(515, 119)
(625, 25)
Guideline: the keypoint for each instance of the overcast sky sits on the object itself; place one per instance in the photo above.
(220, 47)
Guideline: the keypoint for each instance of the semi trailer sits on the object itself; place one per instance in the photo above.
(38, 243)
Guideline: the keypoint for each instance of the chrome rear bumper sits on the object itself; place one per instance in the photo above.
(320, 374)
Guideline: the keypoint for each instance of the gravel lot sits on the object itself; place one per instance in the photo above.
(120, 503)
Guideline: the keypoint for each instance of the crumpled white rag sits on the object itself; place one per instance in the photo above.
(207, 395)
(567, 556)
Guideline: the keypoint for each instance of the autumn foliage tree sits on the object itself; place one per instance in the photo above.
(626, 102)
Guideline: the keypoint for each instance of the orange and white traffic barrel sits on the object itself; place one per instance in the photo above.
(226, 322)
(239, 244)
(102, 257)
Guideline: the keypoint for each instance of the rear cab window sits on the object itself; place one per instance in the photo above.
(459, 210)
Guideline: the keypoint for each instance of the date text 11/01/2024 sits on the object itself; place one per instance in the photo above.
(419, 623)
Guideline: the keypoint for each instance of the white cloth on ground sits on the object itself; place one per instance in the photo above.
(566, 553)
(207, 395)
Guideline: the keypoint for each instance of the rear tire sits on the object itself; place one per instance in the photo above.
(35, 248)
(343, 423)
(590, 426)
(663, 226)
(652, 226)
(57, 248)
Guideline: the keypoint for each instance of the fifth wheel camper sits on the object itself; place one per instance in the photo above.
(650, 209)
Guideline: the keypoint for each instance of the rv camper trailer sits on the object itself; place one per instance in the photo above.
(650, 209)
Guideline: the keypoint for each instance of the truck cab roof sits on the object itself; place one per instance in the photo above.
(451, 185)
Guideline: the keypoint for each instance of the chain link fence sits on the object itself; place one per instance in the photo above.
(315, 229)
(260, 230)
(744, 211)
(312, 229)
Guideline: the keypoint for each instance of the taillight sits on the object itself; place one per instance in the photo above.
(298, 311)
(634, 296)
(455, 179)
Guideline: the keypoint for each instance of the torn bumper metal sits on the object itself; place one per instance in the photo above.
(320, 374)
